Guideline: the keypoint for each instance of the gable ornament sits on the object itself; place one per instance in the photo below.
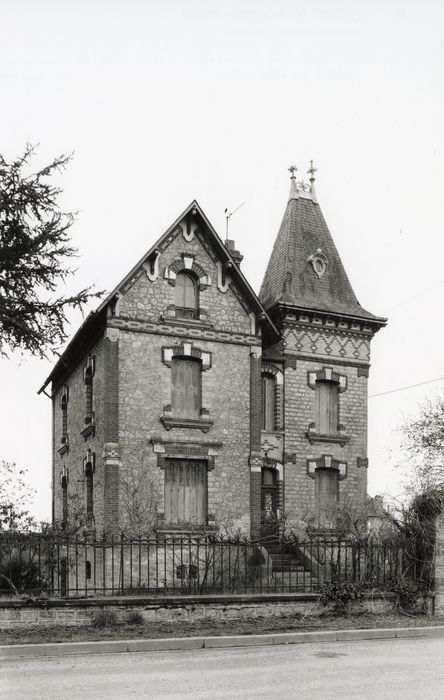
(318, 262)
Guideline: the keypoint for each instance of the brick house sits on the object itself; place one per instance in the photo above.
(185, 398)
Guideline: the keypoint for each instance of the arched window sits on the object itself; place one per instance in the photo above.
(186, 297)
(268, 402)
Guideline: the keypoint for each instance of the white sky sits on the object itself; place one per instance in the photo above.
(164, 102)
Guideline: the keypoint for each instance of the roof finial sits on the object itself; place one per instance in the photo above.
(311, 171)
(292, 169)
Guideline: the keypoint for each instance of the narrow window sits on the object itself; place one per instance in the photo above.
(186, 296)
(64, 502)
(89, 493)
(326, 496)
(268, 402)
(89, 395)
(87, 569)
(185, 491)
(64, 405)
(326, 408)
(186, 388)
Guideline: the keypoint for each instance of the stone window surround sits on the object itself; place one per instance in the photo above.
(326, 462)
(186, 350)
(64, 439)
(327, 374)
(269, 369)
(88, 376)
(187, 263)
(184, 449)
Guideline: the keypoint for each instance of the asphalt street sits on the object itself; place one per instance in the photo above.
(385, 669)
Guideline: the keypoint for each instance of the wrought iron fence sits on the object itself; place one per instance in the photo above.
(193, 565)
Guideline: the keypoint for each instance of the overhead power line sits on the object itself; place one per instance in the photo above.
(403, 388)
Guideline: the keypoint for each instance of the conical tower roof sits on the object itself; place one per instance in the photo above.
(305, 269)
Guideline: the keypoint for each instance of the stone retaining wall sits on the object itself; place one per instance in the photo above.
(76, 612)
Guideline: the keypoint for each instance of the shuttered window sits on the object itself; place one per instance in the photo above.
(186, 388)
(185, 491)
(268, 401)
(327, 495)
(327, 408)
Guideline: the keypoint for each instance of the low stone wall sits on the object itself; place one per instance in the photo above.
(24, 614)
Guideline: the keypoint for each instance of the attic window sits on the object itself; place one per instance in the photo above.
(186, 296)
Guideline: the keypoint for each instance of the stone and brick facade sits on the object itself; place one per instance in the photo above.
(186, 400)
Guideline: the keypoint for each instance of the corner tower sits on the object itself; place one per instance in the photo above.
(324, 360)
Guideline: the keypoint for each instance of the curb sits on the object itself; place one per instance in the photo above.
(16, 651)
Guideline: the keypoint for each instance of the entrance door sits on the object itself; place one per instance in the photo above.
(269, 503)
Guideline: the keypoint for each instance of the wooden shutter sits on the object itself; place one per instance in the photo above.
(185, 491)
(186, 388)
(327, 495)
(327, 408)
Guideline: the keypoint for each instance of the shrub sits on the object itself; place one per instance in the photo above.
(18, 575)
(407, 595)
(342, 595)
(105, 618)
(134, 617)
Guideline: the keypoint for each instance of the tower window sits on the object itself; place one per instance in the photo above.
(326, 496)
(268, 402)
(326, 407)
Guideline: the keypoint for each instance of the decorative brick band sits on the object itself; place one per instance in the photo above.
(326, 462)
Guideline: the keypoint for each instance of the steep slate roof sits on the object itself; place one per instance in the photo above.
(95, 322)
(290, 278)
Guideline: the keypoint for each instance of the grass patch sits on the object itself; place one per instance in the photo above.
(105, 619)
(134, 617)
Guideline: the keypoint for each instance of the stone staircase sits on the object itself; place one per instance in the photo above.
(289, 573)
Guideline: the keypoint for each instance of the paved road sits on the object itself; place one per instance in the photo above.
(384, 669)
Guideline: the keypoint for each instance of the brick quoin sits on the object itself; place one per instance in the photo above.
(111, 435)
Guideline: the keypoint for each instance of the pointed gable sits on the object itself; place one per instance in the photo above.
(305, 269)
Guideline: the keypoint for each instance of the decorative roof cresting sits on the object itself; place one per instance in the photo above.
(301, 188)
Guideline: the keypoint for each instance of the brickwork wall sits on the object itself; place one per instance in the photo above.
(72, 460)
(300, 412)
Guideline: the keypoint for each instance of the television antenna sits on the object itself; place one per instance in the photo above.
(228, 215)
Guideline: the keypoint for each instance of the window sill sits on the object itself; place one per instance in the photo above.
(170, 422)
(89, 429)
(319, 437)
(64, 448)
